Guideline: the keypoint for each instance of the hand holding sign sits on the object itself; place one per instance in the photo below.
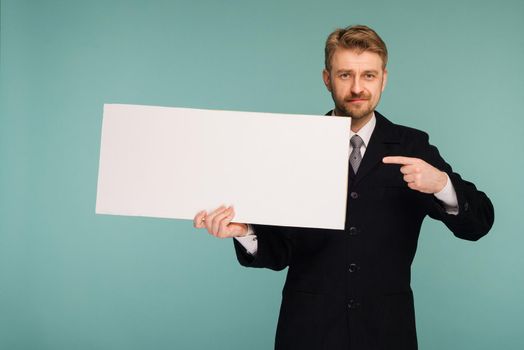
(218, 223)
(418, 174)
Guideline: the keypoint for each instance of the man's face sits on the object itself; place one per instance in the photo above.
(356, 81)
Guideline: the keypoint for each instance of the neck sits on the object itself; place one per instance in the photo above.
(357, 123)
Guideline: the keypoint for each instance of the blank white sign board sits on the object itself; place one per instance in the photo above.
(275, 169)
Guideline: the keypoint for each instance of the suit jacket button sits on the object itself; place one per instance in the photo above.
(353, 304)
(353, 231)
(466, 206)
(353, 195)
(353, 267)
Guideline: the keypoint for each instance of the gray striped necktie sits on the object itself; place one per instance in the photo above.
(355, 157)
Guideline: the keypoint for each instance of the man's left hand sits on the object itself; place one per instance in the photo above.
(418, 174)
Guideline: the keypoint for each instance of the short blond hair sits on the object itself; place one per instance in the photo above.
(358, 37)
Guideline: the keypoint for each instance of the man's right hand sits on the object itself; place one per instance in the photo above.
(218, 223)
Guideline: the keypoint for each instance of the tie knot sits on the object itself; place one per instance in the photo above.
(356, 141)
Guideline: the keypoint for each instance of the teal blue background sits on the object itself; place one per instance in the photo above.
(70, 279)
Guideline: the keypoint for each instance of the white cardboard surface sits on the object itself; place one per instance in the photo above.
(276, 169)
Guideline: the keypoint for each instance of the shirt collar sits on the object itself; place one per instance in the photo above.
(366, 131)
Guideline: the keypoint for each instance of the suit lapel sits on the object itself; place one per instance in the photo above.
(380, 144)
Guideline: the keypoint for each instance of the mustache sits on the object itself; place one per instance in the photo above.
(362, 96)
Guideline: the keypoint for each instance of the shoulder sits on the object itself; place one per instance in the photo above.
(400, 132)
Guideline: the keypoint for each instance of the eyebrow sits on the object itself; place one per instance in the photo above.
(351, 70)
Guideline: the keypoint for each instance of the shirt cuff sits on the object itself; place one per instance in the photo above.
(249, 241)
(448, 197)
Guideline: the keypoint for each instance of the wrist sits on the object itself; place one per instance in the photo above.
(443, 181)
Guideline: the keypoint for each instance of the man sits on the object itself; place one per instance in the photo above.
(350, 289)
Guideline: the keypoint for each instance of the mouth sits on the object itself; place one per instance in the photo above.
(357, 100)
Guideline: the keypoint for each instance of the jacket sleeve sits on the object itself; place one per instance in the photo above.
(476, 214)
(274, 248)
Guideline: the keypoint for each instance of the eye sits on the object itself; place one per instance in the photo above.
(344, 75)
(369, 76)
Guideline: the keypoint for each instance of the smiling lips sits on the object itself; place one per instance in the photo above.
(357, 100)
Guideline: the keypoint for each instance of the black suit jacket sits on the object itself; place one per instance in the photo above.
(350, 289)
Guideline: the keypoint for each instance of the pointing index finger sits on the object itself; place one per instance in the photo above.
(399, 160)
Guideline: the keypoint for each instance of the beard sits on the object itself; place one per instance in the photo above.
(352, 109)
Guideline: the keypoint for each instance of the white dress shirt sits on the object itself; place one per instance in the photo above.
(447, 195)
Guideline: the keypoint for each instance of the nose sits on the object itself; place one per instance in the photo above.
(356, 87)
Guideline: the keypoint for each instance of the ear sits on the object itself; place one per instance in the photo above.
(327, 79)
(384, 79)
